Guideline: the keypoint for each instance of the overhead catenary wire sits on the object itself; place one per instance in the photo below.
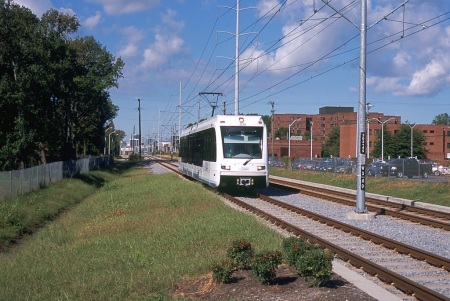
(216, 79)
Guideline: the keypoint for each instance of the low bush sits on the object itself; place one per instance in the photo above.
(222, 271)
(241, 253)
(264, 265)
(294, 247)
(317, 264)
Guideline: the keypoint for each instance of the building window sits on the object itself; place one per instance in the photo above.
(431, 131)
(322, 125)
(431, 143)
(448, 145)
(425, 131)
(322, 118)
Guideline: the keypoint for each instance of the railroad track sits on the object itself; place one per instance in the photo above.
(374, 254)
(413, 271)
(424, 216)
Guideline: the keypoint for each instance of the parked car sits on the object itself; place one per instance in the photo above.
(408, 167)
(374, 168)
(345, 167)
(440, 170)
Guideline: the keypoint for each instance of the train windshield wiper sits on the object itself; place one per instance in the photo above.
(245, 163)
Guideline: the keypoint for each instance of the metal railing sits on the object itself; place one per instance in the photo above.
(16, 182)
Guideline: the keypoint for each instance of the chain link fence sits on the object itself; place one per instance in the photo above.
(16, 182)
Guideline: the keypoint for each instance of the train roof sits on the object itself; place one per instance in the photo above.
(230, 120)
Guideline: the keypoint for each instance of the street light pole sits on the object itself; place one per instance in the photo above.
(368, 107)
(382, 136)
(311, 136)
(289, 137)
(139, 110)
(109, 142)
(412, 138)
(104, 150)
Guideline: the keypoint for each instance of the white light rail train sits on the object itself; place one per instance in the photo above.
(226, 152)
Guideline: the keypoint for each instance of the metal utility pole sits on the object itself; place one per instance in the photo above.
(236, 76)
(139, 109)
(361, 139)
(361, 132)
(179, 122)
(273, 116)
(236, 59)
(224, 111)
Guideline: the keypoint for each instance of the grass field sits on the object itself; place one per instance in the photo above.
(126, 234)
(132, 237)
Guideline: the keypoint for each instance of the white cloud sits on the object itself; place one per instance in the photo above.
(133, 36)
(429, 80)
(167, 43)
(93, 21)
(116, 7)
(408, 59)
(161, 50)
(37, 7)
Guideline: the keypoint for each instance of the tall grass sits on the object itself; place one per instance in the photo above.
(133, 240)
(425, 191)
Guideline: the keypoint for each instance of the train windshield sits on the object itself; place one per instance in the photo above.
(242, 142)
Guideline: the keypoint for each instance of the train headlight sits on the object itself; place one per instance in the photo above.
(225, 167)
(261, 167)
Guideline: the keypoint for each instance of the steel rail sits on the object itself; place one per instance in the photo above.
(400, 282)
(416, 253)
(346, 199)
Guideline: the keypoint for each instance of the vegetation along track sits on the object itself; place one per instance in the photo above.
(424, 216)
(386, 259)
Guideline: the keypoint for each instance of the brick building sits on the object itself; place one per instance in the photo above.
(437, 138)
(319, 125)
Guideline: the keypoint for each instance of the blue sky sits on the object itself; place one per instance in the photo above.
(301, 55)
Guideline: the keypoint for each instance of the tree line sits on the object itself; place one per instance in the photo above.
(54, 87)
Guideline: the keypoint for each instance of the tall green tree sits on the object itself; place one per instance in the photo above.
(403, 138)
(386, 142)
(20, 79)
(399, 144)
(443, 119)
(331, 146)
(281, 133)
(54, 87)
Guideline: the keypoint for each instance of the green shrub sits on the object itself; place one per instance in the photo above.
(241, 253)
(134, 157)
(264, 265)
(222, 271)
(294, 247)
(317, 264)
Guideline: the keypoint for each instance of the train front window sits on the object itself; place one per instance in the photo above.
(242, 142)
